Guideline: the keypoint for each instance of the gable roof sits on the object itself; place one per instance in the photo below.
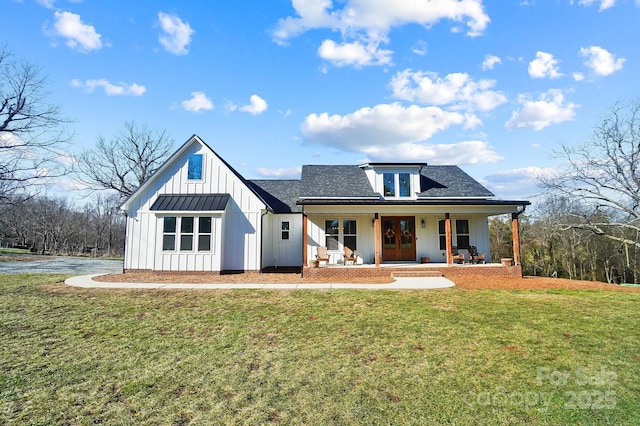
(193, 139)
(279, 195)
(449, 182)
(335, 182)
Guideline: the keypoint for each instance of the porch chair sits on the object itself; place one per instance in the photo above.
(322, 255)
(457, 257)
(349, 256)
(474, 256)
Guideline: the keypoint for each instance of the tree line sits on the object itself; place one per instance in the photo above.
(52, 225)
(550, 249)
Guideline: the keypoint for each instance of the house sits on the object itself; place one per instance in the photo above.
(197, 213)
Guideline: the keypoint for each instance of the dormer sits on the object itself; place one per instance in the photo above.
(394, 181)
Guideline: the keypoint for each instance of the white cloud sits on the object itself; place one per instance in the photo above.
(516, 183)
(380, 17)
(366, 24)
(456, 89)
(460, 153)
(256, 107)
(545, 65)
(280, 173)
(110, 89)
(176, 35)
(490, 61)
(79, 36)
(199, 101)
(601, 61)
(604, 4)
(550, 108)
(578, 76)
(392, 131)
(355, 54)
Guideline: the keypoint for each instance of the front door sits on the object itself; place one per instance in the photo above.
(398, 238)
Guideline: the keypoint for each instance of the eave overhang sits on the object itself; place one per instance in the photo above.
(419, 202)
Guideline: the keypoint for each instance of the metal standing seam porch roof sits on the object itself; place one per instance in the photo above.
(195, 202)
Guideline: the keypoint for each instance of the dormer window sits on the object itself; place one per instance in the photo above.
(404, 184)
(401, 181)
(389, 184)
(194, 168)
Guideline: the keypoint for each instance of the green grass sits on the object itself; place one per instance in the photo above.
(13, 252)
(75, 356)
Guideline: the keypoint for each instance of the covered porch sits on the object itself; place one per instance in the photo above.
(418, 241)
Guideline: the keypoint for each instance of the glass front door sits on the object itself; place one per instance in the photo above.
(398, 238)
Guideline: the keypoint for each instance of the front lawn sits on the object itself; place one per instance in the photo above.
(75, 356)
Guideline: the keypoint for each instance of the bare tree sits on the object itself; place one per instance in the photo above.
(603, 176)
(32, 131)
(125, 161)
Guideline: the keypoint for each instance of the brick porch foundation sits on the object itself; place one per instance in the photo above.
(345, 272)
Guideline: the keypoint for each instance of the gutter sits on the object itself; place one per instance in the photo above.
(262, 215)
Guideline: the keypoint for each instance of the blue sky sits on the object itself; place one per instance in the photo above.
(492, 86)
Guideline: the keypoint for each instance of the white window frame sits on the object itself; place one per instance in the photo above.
(341, 234)
(396, 184)
(281, 231)
(195, 235)
(468, 234)
(454, 232)
(202, 171)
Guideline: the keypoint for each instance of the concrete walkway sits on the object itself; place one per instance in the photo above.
(414, 283)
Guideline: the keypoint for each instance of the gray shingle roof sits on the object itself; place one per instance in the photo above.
(449, 182)
(280, 195)
(339, 181)
(202, 203)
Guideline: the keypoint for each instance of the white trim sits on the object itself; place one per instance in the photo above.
(280, 231)
(340, 198)
(202, 168)
(187, 212)
(456, 198)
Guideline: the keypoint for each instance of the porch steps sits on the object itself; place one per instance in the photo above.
(416, 273)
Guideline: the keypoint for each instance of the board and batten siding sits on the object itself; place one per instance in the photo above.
(236, 231)
(277, 251)
(365, 239)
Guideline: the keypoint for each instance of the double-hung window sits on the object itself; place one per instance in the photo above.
(204, 233)
(332, 233)
(340, 233)
(186, 233)
(285, 230)
(169, 233)
(349, 234)
(460, 234)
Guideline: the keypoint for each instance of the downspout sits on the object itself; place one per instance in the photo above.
(262, 215)
(305, 239)
(124, 243)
